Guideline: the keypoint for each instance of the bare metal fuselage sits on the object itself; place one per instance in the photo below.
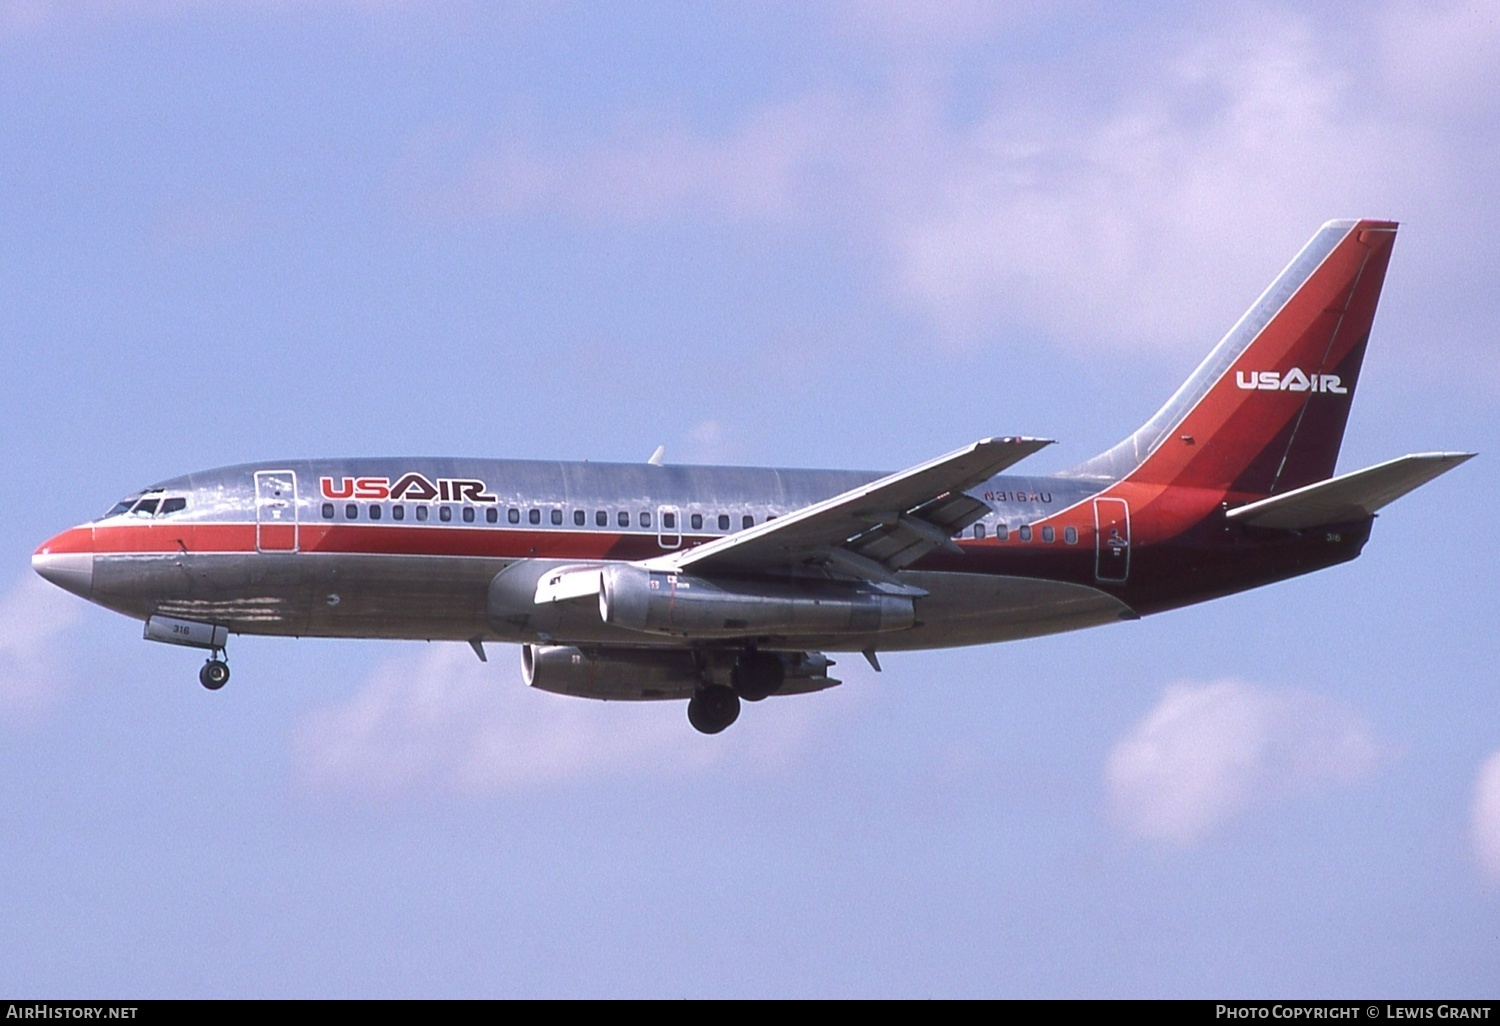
(317, 560)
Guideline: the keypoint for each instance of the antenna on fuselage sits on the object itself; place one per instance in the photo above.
(658, 456)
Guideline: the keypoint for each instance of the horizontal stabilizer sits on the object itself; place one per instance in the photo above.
(1348, 497)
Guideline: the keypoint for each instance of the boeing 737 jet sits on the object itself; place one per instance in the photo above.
(722, 584)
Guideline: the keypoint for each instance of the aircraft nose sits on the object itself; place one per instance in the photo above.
(68, 561)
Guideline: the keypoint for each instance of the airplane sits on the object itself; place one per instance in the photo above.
(727, 584)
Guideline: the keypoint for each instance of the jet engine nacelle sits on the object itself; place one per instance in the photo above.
(617, 674)
(658, 602)
(644, 674)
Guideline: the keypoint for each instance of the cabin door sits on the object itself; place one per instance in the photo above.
(1111, 540)
(275, 511)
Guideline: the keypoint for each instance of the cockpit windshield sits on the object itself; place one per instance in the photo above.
(149, 504)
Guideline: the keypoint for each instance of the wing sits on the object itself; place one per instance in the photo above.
(870, 531)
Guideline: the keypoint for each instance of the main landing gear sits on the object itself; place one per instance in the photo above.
(215, 672)
(756, 675)
(712, 708)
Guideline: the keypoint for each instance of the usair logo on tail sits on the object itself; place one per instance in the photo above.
(1294, 380)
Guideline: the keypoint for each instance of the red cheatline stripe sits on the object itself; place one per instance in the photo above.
(408, 540)
(74, 539)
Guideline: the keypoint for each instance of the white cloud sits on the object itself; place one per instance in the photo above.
(32, 616)
(1486, 821)
(1208, 753)
(1138, 228)
(1147, 223)
(441, 721)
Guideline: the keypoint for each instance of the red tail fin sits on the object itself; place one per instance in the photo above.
(1265, 413)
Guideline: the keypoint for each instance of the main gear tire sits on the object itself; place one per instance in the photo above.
(713, 709)
(757, 675)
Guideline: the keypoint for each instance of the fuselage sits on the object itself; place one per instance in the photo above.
(454, 549)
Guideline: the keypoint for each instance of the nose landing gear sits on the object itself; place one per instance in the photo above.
(194, 634)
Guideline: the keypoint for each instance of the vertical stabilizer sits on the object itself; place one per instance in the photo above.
(1265, 412)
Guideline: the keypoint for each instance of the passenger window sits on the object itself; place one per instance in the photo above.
(624, 518)
(422, 513)
(1025, 533)
(978, 530)
(1048, 534)
(445, 513)
(557, 516)
(749, 521)
(1001, 532)
(513, 515)
(723, 521)
(351, 512)
(176, 504)
(1070, 535)
(492, 515)
(327, 511)
(580, 518)
(398, 512)
(534, 516)
(697, 521)
(374, 512)
(669, 521)
(645, 519)
(468, 514)
(601, 518)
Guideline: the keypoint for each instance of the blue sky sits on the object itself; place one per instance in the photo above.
(837, 234)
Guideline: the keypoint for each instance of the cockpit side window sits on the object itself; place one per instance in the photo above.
(175, 504)
(146, 507)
